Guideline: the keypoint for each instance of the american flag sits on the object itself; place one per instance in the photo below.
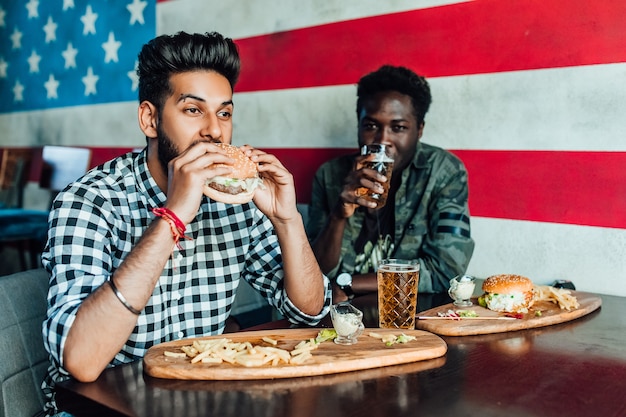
(528, 93)
(61, 53)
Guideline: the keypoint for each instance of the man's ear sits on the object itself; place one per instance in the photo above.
(420, 132)
(147, 115)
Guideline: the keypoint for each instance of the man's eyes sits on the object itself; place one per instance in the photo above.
(192, 110)
(373, 126)
(224, 114)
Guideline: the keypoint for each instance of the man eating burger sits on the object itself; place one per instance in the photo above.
(138, 254)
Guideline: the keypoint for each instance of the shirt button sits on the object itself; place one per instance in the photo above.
(177, 296)
(181, 335)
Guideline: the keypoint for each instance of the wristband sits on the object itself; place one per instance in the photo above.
(176, 225)
(122, 299)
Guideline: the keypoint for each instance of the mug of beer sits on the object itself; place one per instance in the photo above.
(376, 156)
(397, 293)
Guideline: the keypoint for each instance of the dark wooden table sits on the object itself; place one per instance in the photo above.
(572, 369)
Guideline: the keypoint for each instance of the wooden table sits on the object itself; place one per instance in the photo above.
(572, 369)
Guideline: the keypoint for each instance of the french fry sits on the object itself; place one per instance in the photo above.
(270, 340)
(175, 354)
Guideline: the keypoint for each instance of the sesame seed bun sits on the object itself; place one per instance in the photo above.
(240, 185)
(507, 284)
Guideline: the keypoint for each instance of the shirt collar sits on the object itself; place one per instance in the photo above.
(420, 160)
(145, 181)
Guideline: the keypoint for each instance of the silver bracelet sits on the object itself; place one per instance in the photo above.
(122, 299)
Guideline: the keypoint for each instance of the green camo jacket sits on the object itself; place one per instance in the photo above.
(432, 220)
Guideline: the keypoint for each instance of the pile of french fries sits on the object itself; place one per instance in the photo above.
(245, 353)
(560, 296)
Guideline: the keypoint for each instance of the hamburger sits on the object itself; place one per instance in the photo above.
(508, 293)
(239, 186)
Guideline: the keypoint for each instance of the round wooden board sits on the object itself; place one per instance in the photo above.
(328, 358)
(550, 314)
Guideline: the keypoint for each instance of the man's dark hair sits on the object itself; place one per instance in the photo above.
(167, 55)
(400, 79)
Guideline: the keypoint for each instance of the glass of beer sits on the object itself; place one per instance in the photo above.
(376, 156)
(397, 293)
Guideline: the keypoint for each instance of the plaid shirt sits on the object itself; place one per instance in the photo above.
(95, 223)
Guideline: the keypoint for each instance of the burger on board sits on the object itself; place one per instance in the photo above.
(508, 293)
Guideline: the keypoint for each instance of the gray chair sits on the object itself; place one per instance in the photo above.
(23, 358)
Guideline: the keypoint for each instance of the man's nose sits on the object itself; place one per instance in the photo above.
(211, 128)
(384, 136)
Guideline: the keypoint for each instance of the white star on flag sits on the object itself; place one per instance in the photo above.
(50, 29)
(134, 77)
(52, 85)
(69, 55)
(90, 81)
(3, 68)
(33, 62)
(32, 7)
(89, 21)
(18, 91)
(110, 48)
(16, 39)
(68, 4)
(136, 11)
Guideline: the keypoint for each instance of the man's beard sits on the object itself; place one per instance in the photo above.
(167, 150)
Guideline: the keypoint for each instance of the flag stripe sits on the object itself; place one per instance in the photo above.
(580, 188)
(574, 108)
(480, 37)
(583, 188)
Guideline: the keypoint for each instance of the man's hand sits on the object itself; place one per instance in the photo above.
(188, 173)
(276, 198)
(355, 187)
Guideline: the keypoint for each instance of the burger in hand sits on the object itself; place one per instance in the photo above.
(239, 186)
(508, 293)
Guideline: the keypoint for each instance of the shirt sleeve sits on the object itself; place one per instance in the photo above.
(448, 245)
(78, 258)
(264, 272)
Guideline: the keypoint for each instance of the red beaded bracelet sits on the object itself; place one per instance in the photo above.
(176, 224)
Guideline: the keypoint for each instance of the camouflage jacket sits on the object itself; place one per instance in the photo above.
(432, 220)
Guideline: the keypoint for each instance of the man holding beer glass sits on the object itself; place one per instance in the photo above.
(425, 216)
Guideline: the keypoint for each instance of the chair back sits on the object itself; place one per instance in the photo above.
(24, 360)
(14, 171)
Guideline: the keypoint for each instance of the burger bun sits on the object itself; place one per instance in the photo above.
(239, 186)
(507, 284)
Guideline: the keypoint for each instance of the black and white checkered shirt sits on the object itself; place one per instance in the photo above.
(95, 223)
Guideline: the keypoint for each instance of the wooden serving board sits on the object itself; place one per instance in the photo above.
(328, 358)
(550, 314)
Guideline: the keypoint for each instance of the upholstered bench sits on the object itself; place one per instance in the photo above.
(24, 359)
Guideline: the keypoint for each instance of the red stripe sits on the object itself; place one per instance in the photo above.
(582, 188)
(482, 36)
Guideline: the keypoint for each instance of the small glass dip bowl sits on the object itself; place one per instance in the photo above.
(347, 321)
(461, 290)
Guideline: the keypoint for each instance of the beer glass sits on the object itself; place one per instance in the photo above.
(397, 293)
(376, 156)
